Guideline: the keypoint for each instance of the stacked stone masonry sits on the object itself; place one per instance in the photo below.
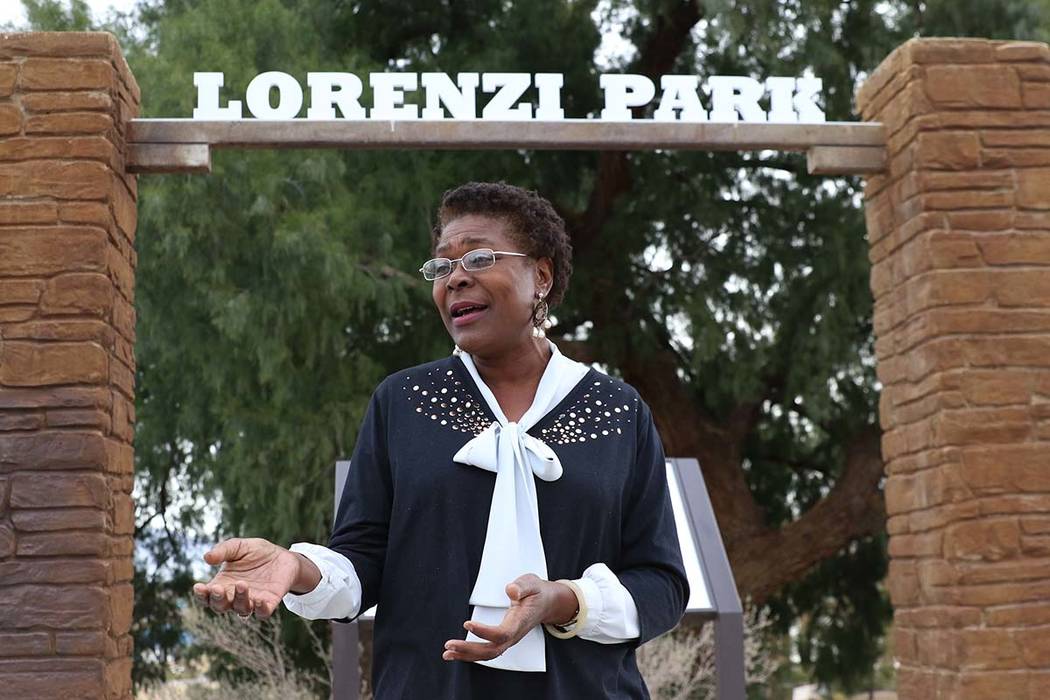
(67, 334)
(959, 228)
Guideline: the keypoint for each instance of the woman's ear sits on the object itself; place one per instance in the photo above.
(544, 275)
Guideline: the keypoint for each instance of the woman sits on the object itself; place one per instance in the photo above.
(506, 507)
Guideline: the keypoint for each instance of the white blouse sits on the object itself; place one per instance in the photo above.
(513, 545)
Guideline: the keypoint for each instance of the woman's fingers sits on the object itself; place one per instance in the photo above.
(220, 598)
(264, 606)
(202, 594)
(460, 650)
(238, 597)
(227, 550)
(497, 640)
(212, 594)
(523, 586)
(242, 603)
(517, 621)
(221, 594)
(497, 635)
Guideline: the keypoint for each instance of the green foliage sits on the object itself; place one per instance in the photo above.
(840, 615)
(271, 313)
(274, 294)
(58, 16)
(1012, 19)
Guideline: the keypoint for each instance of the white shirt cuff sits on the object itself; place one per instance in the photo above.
(612, 616)
(338, 594)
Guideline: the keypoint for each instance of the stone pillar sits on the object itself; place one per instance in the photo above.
(67, 332)
(959, 228)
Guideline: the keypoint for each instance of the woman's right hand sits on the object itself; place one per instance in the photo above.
(255, 575)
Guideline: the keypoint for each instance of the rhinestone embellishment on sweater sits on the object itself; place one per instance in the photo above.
(444, 399)
(602, 411)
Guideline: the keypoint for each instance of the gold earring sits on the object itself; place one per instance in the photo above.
(540, 317)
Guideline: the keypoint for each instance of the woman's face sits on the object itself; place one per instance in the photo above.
(488, 312)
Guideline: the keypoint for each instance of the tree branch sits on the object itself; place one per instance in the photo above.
(613, 178)
(854, 508)
(802, 468)
(387, 272)
(579, 350)
(796, 407)
(764, 559)
(687, 430)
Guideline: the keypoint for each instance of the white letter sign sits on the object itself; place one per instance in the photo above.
(680, 92)
(733, 93)
(330, 90)
(549, 86)
(509, 87)
(623, 92)
(208, 85)
(781, 91)
(805, 100)
(388, 95)
(289, 96)
(461, 101)
(334, 96)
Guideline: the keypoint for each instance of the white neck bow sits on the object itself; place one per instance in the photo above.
(513, 545)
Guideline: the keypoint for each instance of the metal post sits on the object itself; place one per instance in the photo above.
(346, 661)
(729, 618)
(346, 653)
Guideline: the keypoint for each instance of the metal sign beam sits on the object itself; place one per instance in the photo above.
(180, 145)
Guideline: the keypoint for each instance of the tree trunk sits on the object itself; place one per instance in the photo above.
(764, 558)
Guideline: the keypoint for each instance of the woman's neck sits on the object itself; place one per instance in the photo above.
(514, 377)
(523, 365)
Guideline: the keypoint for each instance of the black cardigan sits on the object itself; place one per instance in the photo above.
(413, 523)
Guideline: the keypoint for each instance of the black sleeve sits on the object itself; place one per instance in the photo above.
(651, 566)
(362, 522)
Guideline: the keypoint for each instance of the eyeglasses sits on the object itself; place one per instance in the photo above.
(475, 260)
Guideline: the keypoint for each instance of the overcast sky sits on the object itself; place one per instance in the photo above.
(12, 11)
(613, 45)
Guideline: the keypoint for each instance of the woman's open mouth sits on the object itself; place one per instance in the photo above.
(462, 314)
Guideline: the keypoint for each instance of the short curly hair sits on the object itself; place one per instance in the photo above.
(533, 223)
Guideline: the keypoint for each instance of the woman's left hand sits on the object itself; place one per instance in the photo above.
(533, 601)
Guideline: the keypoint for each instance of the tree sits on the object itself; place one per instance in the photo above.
(730, 288)
(57, 16)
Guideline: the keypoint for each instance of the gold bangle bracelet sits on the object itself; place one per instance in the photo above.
(572, 628)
